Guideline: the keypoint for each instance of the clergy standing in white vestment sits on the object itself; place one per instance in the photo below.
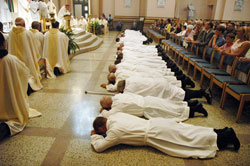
(55, 51)
(149, 106)
(39, 37)
(14, 103)
(35, 15)
(24, 12)
(83, 23)
(22, 45)
(5, 16)
(167, 135)
(43, 9)
(52, 8)
(62, 12)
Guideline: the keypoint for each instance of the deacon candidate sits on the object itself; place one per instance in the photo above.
(150, 107)
(167, 135)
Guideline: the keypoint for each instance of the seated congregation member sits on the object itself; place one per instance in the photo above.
(167, 135)
(36, 27)
(14, 104)
(228, 43)
(206, 35)
(55, 51)
(160, 88)
(22, 45)
(230, 29)
(218, 38)
(239, 49)
(183, 31)
(150, 107)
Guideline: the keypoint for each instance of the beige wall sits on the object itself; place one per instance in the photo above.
(108, 7)
(95, 8)
(120, 10)
(154, 11)
(230, 14)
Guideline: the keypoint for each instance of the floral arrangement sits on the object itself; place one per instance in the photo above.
(73, 46)
(95, 28)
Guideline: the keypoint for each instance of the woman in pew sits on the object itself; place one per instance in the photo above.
(240, 46)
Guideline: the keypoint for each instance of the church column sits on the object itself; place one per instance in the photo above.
(143, 8)
(100, 7)
(219, 10)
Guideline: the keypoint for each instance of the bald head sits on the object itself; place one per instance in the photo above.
(106, 102)
(20, 22)
(112, 68)
(111, 78)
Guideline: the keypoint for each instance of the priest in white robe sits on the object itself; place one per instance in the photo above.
(43, 9)
(114, 78)
(52, 8)
(62, 12)
(159, 88)
(14, 104)
(83, 23)
(22, 45)
(149, 107)
(5, 15)
(55, 51)
(167, 135)
(34, 10)
(39, 37)
(24, 12)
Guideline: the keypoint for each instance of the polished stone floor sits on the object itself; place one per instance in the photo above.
(62, 135)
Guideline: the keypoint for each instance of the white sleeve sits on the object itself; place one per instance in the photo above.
(100, 143)
(111, 87)
(105, 113)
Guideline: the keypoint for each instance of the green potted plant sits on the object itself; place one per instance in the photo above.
(73, 46)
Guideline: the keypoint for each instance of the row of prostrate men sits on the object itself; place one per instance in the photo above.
(148, 87)
(153, 99)
(20, 53)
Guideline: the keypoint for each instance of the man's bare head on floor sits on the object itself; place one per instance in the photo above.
(112, 68)
(111, 78)
(121, 86)
(106, 102)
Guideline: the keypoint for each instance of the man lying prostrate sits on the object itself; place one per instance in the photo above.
(14, 104)
(114, 78)
(167, 135)
(159, 65)
(150, 107)
(133, 36)
(160, 88)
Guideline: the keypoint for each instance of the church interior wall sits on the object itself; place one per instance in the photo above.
(108, 7)
(230, 14)
(154, 11)
(122, 10)
(95, 8)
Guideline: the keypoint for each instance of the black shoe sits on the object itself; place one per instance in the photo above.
(178, 73)
(57, 71)
(193, 102)
(190, 82)
(203, 111)
(30, 90)
(232, 138)
(4, 131)
(208, 96)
